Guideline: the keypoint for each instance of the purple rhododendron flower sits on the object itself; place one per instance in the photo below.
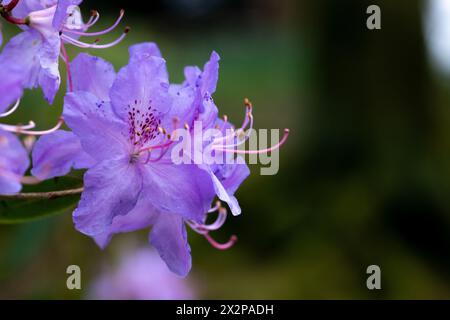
(129, 188)
(14, 163)
(34, 53)
(132, 182)
(140, 275)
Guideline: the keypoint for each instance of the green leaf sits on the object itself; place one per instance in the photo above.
(24, 210)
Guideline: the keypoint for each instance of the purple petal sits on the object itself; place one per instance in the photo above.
(143, 84)
(54, 155)
(204, 83)
(180, 189)
(101, 133)
(32, 61)
(19, 58)
(192, 75)
(13, 163)
(49, 78)
(24, 7)
(10, 90)
(61, 12)
(142, 216)
(92, 74)
(210, 74)
(233, 175)
(143, 51)
(223, 195)
(183, 98)
(169, 237)
(208, 111)
(226, 180)
(111, 188)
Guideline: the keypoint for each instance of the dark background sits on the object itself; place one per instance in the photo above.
(364, 178)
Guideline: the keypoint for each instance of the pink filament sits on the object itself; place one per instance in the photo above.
(277, 146)
(221, 218)
(10, 111)
(216, 225)
(95, 16)
(10, 128)
(221, 246)
(248, 118)
(95, 46)
(215, 208)
(41, 133)
(237, 133)
(161, 146)
(94, 34)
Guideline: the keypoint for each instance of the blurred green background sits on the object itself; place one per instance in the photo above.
(364, 178)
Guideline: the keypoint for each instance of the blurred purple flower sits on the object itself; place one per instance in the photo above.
(437, 33)
(14, 163)
(140, 275)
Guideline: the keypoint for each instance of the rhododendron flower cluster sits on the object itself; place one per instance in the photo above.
(125, 128)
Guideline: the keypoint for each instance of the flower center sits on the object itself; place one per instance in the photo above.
(143, 122)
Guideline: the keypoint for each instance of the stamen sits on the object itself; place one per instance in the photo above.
(10, 111)
(41, 133)
(85, 45)
(162, 154)
(248, 104)
(95, 16)
(161, 146)
(278, 145)
(216, 207)
(202, 228)
(240, 131)
(248, 119)
(221, 246)
(99, 33)
(17, 129)
(216, 225)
